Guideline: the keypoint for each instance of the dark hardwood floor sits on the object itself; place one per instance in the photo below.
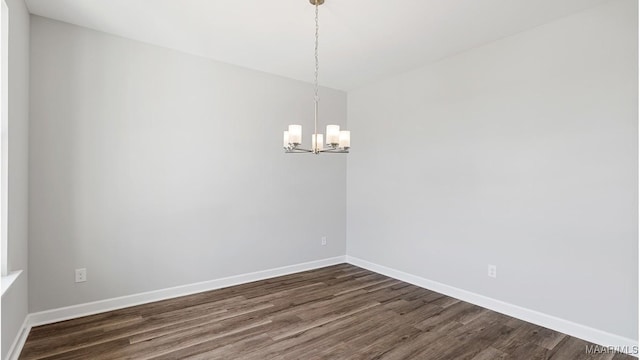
(338, 312)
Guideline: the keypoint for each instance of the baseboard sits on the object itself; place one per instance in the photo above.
(577, 330)
(75, 311)
(590, 334)
(18, 342)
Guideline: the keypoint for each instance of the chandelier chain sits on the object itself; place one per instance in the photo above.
(316, 57)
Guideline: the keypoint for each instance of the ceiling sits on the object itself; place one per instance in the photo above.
(360, 41)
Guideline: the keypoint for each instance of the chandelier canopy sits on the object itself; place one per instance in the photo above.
(337, 141)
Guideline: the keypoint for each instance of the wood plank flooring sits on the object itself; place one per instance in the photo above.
(337, 312)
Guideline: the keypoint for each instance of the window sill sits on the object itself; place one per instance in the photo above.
(8, 280)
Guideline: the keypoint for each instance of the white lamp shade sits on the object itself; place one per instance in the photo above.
(333, 134)
(345, 139)
(285, 140)
(319, 145)
(295, 134)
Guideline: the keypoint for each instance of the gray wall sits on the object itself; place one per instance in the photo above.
(521, 153)
(14, 301)
(153, 168)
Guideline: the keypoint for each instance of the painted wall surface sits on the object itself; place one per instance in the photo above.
(522, 153)
(152, 169)
(15, 300)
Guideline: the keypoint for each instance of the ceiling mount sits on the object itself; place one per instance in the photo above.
(314, 2)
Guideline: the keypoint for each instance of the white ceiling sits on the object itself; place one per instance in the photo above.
(360, 41)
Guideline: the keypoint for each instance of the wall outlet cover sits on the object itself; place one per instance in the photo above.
(493, 271)
(81, 275)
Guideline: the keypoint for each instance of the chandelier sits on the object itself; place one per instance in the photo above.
(337, 141)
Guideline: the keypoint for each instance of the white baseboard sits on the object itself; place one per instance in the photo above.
(590, 334)
(18, 342)
(75, 311)
(577, 330)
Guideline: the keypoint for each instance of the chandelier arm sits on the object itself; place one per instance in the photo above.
(297, 150)
(334, 151)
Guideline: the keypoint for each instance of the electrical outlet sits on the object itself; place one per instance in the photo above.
(493, 271)
(323, 241)
(81, 275)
